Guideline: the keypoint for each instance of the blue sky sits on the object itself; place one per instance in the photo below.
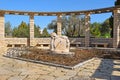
(52, 5)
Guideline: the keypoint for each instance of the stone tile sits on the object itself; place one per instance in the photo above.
(4, 77)
(71, 73)
(102, 76)
(115, 77)
(32, 77)
(53, 67)
(116, 73)
(6, 72)
(46, 77)
(20, 70)
(27, 73)
(63, 78)
(49, 69)
(57, 73)
(116, 67)
(116, 61)
(17, 78)
(42, 72)
(19, 64)
(99, 79)
(82, 73)
(81, 78)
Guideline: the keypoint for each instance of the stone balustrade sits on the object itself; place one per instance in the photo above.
(47, 41)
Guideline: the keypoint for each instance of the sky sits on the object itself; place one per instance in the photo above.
(52, 5)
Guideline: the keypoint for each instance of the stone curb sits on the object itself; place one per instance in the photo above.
(52, 64)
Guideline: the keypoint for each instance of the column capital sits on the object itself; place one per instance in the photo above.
(2, 13)
(87, 13)
(59, 15)
(31, 15)
(116, 11)
(59, 18)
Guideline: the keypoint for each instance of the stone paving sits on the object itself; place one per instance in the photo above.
(98, 69)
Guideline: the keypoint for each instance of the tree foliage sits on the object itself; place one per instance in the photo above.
(8, 29)
(37, 31)
(21, 31)
(111, 26)
(95, 29)
(45, 33)
(53, 26)
(71, 25)
(117, 2)
(102, 29)
(105, 29)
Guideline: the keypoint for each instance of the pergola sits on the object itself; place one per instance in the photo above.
(115, 10)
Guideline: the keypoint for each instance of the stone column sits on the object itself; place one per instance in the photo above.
(87, 29)
(116, 26)
(31, 30)
(2, 31)
(59, 25)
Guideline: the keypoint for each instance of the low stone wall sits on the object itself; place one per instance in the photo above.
(47, 41)
(82, 40)
(42, 40)
(16, 41)
(102, 40)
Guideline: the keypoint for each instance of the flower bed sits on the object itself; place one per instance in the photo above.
(68, 61)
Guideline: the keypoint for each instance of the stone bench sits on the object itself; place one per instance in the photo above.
(43, 44)
(77, 44)
(98, 44)
(16, 45)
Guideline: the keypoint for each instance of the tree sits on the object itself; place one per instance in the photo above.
(53, 26)
(71, 26)
(22, 31)
(37, 31)
(8, 29)
(105, 29)
(117, 2)
(45, 33)
(111, 26)
(95, 29)
(15, 32)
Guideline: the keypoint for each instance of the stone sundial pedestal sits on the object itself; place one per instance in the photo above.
(60, 44)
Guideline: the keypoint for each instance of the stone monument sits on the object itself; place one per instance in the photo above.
(59, 44)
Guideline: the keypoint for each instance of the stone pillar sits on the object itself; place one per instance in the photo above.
(116, 26)
(2, 31)
(31, 30)
(87, 29)
(59, 25)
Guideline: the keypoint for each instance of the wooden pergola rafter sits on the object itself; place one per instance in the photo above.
(93, 11)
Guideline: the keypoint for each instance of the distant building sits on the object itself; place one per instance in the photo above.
(41, 31)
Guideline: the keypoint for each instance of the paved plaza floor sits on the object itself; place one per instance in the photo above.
(97, 69)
